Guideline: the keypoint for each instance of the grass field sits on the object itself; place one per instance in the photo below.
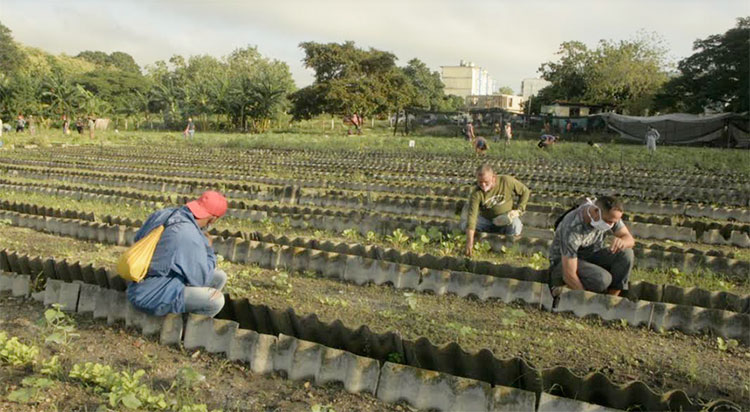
(314, 136)
(704, 365)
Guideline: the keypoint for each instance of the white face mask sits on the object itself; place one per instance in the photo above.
(598, 224)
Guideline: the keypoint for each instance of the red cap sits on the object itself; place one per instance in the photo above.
(209, 204)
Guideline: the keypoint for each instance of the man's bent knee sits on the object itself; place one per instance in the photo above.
(627, 255)
(215, 302)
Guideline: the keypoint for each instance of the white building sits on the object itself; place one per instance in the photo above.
(507, 102)
(466, 79)
(531, 86)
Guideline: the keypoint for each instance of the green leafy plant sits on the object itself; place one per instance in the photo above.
(421, 236)
(333, 301)
(188, 377)
(120, 388)
(398, 238)
(726, 345)
(510, 317)
(282, 281)
(435, 234)
(31, 390)
(15, 353)
(395, 357)
(482, 247)
(463, 330)
(538, 261)
(411, 300)
(51, 367)
(351, 234)
(371, 237)
(322, 408)
(60, 326)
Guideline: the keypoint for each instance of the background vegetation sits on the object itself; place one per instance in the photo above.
(245, 91)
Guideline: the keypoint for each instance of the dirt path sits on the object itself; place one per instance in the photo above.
(665, 361)
(228, 385)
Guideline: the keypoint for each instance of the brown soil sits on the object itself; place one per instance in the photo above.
(665, 361)
(228, 385)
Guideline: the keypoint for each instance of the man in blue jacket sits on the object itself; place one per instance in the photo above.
(182, 276)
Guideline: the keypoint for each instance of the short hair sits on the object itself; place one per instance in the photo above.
(484, 169)
(607, 203)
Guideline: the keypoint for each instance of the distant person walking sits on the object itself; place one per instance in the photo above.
(92, 126)
(508, 133)
(1, 127)
(652, 136)
(20, 123)
(65, 125)
(497, 132)
(79, 125)
(32, 125)
(190, 128)
(469, 131)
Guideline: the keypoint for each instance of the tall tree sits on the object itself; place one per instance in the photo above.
(118, 60)
(568, 75)
(11, 56)
(627, 74)
(427, 85)
(624, 75)
(714, 77)
(349, 81)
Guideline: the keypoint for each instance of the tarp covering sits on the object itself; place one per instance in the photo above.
(678, 128)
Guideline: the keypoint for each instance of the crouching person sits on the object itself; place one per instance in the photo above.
(182, 276)
(578, 257)
(492, 207)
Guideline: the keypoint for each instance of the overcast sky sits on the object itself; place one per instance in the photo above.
(508, 38)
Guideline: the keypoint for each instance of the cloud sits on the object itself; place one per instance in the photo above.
(509, 38)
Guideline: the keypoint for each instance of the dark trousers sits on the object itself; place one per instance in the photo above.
(599, 271)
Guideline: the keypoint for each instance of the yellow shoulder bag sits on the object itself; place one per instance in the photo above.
(133, 264)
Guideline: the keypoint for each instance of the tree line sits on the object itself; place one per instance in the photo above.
(245, 91)
(635, 77)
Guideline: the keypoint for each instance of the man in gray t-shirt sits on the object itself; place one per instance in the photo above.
(578, 257)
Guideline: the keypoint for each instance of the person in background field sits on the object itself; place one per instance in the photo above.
(546, 140)
(190, 128)
(508, 133)
(183, 276)
(469, 131)
(480, 145)
(32, 125)
(596, 146)
(92, 126)
(65, 125)
(497, 132)
(1, 127)
(20, 123)
(578, 257)
(492, 207)
(652, 136)
(79, 126)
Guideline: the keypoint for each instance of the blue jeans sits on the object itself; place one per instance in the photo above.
(485, 225)
(206, 300)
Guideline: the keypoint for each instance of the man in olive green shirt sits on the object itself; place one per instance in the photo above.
(491, 205)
